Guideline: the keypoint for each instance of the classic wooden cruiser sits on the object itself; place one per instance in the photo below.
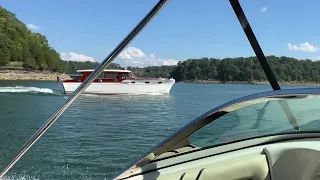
(116, 81)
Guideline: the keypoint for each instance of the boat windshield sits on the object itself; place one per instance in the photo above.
(245, 118)
(133, 76)
(254, 116)
(261, 119)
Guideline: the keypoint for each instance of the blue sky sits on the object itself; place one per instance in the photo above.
(86, 30)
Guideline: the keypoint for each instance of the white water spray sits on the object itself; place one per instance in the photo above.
(22, 89)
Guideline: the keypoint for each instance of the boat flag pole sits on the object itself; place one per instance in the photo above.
(262, 60)
(137, 29)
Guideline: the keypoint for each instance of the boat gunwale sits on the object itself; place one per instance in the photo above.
(242, 144)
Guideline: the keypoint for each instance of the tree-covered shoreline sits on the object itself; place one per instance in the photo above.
(22, 49)
(248, 69)
(19, 44)
(238, 70)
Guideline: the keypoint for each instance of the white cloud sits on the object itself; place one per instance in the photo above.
(32, 27)
(131, 53)
(133, 56)
(316, 58)
(303, 47)
(263, 9)
(72, 56)
(170, 62)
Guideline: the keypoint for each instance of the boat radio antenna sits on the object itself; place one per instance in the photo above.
(139, 27)
(254, 44)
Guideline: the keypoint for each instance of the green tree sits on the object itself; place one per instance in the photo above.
(4, 49)
(30, 64)
(20, 44)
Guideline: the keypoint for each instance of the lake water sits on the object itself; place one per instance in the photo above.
(97, 136)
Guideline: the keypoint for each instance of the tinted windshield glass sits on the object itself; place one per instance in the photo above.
(261, 119)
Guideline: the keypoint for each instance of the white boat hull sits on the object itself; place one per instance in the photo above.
(154, 86)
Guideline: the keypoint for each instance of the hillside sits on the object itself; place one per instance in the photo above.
(23, 49)
(248, 69)
(19, 44)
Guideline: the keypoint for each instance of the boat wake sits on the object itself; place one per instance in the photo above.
(22, 89)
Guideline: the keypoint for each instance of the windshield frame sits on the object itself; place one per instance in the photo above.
(181, 137)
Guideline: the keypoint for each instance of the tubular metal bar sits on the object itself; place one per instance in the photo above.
(287, 111)
(262, 59)
(254, 43)
(157, 8)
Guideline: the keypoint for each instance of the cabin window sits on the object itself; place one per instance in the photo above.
(101, 76)
(124, 76)
(110, 75)
(76, 77)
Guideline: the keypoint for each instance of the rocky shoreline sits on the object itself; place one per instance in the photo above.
(293, 83)
(52, 76)
(32, 75)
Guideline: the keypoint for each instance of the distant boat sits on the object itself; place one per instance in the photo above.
(116, 81)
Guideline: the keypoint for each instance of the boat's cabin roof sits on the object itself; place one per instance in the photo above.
(108, 75)
(105, 71)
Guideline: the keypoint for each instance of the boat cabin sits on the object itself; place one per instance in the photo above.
(108, 75)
